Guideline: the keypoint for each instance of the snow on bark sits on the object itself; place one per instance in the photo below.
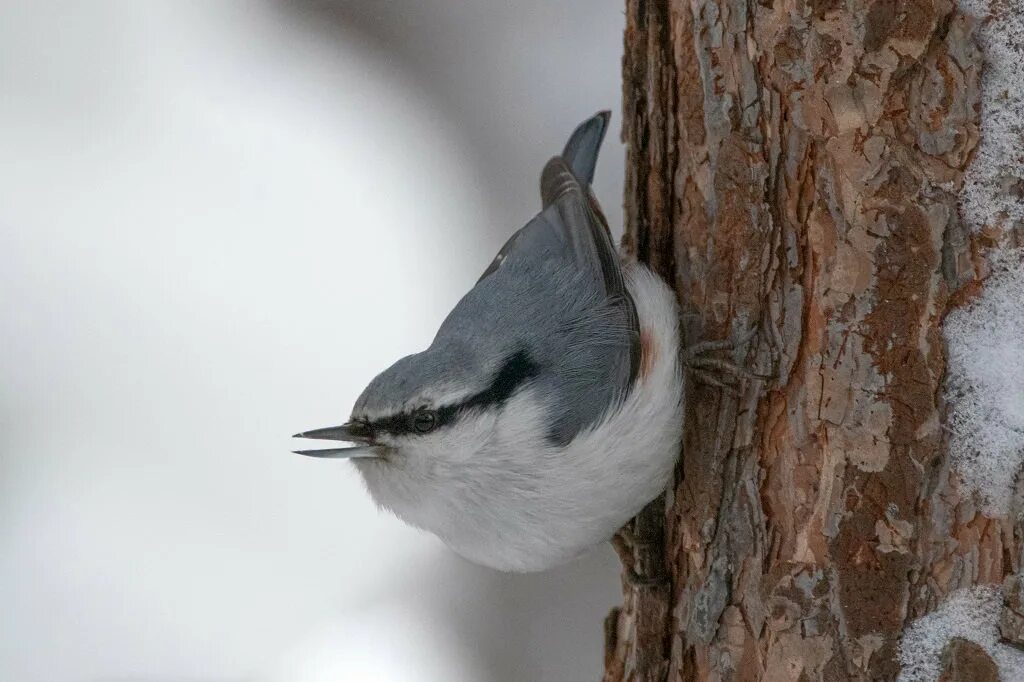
(970, 614)
(994, 190)
(985, 385)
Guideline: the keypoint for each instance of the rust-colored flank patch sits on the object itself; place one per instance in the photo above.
(648, 352)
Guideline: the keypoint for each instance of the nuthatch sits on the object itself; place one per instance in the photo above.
(548, 409)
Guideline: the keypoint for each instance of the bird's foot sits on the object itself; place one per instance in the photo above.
(715, 371)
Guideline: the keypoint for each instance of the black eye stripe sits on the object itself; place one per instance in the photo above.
(516, 370)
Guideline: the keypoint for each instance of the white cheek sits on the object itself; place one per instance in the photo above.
(522, 424)
(499, 432)
(470, 433)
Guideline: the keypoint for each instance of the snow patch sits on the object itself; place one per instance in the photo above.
(985, 385)
(971, 613)
(994, 182)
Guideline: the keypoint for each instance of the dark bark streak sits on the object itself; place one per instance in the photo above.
(650, 238)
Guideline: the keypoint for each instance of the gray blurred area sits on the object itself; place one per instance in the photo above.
(511, 75)
(218, 220)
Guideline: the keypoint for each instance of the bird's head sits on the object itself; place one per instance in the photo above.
(424, 419)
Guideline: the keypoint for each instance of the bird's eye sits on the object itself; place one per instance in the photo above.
(424, 421)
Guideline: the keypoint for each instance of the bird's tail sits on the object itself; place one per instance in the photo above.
(581, 150)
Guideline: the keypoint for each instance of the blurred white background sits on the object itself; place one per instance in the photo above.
(218, 220)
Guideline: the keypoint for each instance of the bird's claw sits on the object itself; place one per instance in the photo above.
(717, 372)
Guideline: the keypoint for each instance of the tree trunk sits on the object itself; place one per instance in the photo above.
(794, 168)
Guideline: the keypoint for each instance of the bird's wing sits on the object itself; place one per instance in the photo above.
(597, 335)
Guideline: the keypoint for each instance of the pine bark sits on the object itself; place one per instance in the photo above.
(793, 166)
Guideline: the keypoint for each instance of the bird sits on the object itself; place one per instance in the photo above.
(548, 409)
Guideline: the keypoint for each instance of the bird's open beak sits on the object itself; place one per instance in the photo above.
(352, 433)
